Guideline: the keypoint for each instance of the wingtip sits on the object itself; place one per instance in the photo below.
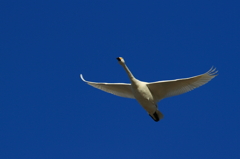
(81, 76)
(213, 71)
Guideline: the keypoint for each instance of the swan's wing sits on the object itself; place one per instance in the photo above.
(118, 89)
(169, 88)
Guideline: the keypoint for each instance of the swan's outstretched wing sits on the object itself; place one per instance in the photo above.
(118, 89)
(164, 89)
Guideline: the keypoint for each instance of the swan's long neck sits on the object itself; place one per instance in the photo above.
(130, 75)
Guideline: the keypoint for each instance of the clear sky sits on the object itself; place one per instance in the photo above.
(46, 111)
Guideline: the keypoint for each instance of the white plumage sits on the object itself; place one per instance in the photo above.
(148, 94)
(118, 89)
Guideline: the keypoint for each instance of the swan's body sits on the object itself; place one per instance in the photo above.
(149, 94)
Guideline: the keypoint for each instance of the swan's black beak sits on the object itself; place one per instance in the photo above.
(118, 58)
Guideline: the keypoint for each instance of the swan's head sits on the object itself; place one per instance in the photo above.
(120, 60)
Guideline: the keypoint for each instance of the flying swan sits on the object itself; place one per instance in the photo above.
(149, 94)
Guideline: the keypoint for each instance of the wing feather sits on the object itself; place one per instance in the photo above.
(169, 88)
(118, 89)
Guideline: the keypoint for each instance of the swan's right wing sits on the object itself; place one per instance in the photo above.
(118, 89)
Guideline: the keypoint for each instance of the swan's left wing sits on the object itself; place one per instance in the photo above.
(169, 88)
(118, 89)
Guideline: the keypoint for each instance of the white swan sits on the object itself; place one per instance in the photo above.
(149, 94)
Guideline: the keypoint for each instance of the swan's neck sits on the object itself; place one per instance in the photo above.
(130, 75)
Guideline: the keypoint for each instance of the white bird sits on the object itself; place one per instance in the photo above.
(149, 94)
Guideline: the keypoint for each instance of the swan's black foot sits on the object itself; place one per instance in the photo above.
(155, 117)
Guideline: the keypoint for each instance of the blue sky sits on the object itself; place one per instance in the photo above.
(46, 111)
